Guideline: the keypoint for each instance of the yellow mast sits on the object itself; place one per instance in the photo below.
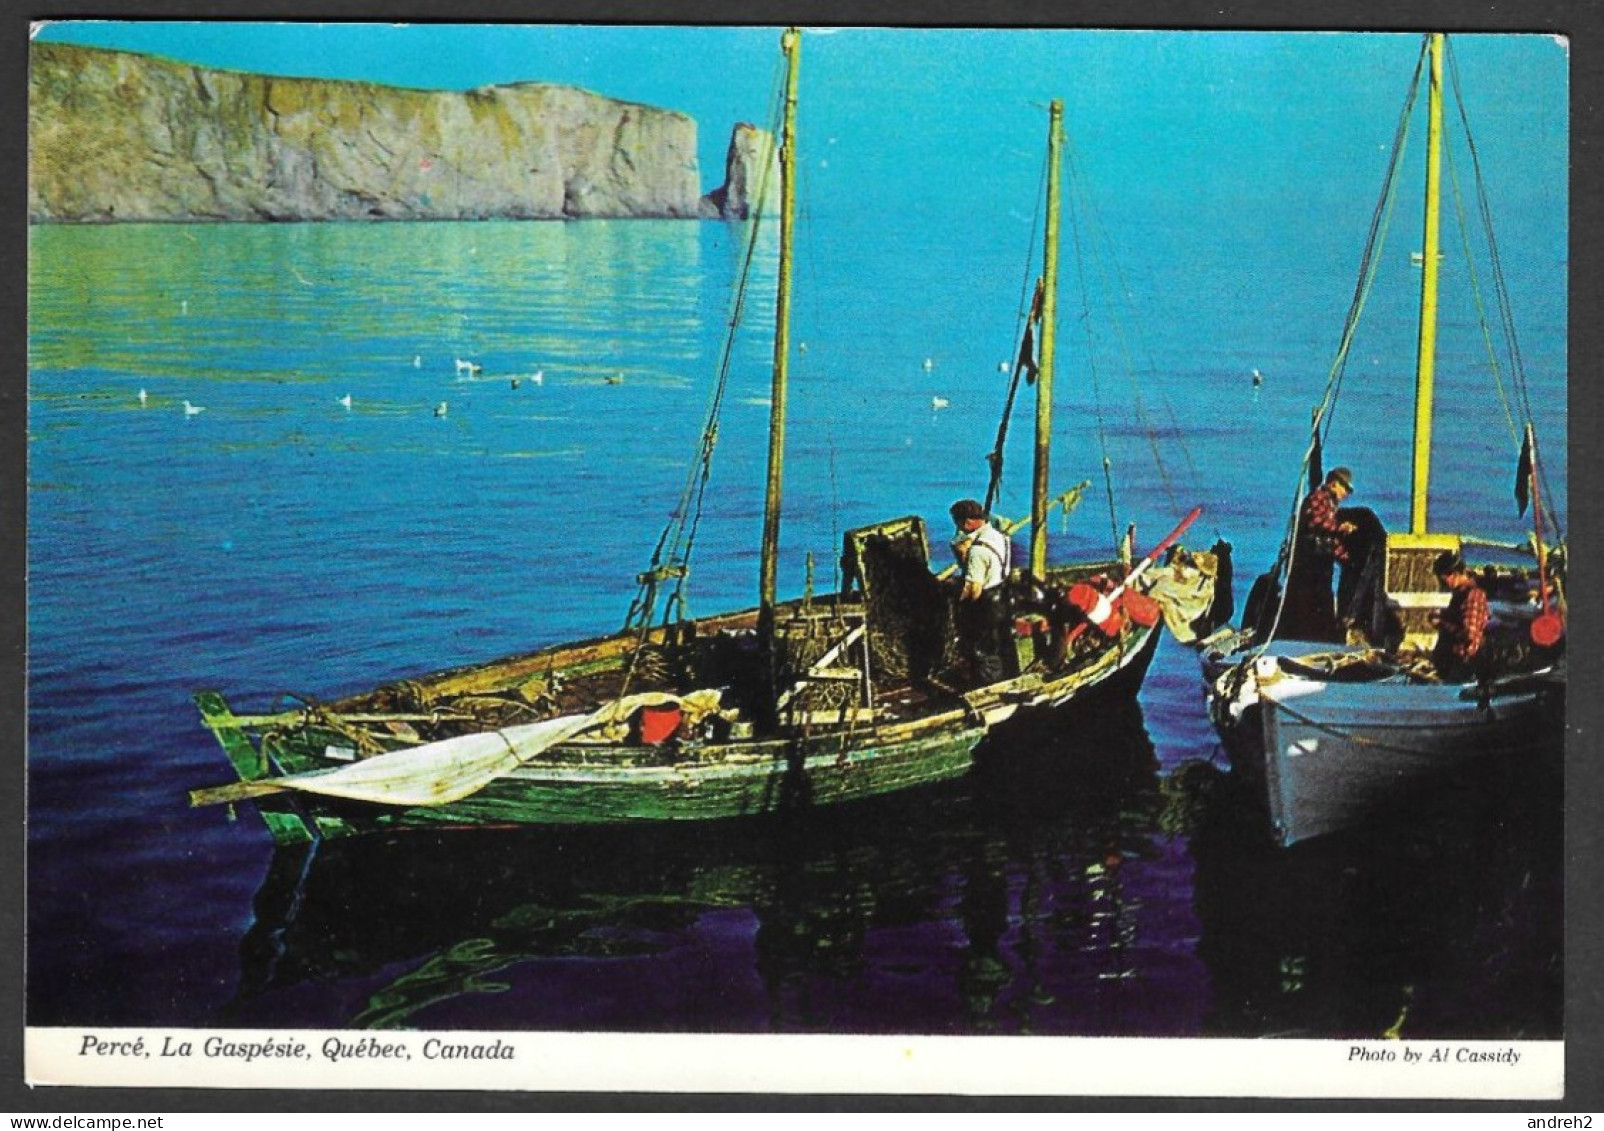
(1049, 323)
(1426, 359)
(791, 44)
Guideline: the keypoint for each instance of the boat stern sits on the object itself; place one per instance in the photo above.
(251, 764)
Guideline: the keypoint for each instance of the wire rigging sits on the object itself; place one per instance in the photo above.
(1375, 240)
(1092, 368)
(1500, 286)
(672, 553)
(1369, 262)
(1027, 316)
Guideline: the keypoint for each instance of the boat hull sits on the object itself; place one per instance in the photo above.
(577, 784)
(785, 777)
(1328, 756)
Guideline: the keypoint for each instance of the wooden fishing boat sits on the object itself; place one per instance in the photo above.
(790, 704)
(418, 918)
(1336, 709)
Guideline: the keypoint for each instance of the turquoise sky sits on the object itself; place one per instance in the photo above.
(944, 118)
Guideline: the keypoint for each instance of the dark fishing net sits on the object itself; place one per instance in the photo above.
(911, 633)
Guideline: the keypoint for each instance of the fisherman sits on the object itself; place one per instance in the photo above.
(1325, 540)
(1319, 527)
(1462, 626)
(982, 552)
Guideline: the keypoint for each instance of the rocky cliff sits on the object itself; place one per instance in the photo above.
(118, 136)
(750, 171)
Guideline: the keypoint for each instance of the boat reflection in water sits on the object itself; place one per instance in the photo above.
(1011, 900)
(1443, 921)
(1064, 886)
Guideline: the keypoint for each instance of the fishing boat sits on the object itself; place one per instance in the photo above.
(792, 704)
(1334, 705)
(411, 921)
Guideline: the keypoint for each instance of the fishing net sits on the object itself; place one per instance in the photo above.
(910, 615)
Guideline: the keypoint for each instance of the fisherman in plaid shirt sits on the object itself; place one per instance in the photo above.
(1320, 529)
(1324, 541)
(1462, 626)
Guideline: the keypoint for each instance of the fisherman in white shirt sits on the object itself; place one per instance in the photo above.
(982, 552)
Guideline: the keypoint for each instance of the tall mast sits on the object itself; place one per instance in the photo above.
(791, 44)
(1426, 359)
(1049, 324)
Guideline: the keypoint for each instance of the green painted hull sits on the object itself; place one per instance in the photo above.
(775, 783)
(619, 783)
(748, 780)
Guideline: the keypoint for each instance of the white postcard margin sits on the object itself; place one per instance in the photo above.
(784, 1063)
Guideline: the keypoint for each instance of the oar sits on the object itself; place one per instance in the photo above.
(1170, 539)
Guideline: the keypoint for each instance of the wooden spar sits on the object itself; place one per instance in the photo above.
(791, 43)
(235, 791)
(295, 718)
(1049, 325)
(1426, 359)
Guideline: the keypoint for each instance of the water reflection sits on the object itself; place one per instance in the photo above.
(1012, 901)
(1035, 896)
(1445, 921)
(355, 304)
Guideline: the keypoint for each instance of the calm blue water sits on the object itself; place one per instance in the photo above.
(279, 541)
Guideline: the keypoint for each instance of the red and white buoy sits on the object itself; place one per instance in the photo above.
(1108, 611)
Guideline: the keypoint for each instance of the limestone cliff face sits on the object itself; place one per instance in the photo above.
(118, 136)
(750, 169)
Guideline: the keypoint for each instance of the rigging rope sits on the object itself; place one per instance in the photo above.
(1369, 263)
(1092, 241)
(678, 538)
(1027, 315)
(1481, 307)
(710, 433)
(1023, 363)
(1111, 279)
(1097, 389)
(1501, 289)
(1380, 224)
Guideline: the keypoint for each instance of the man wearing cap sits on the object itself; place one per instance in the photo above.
(982, 552)
(1321, 529)
(1323, 542)
(1462, 626)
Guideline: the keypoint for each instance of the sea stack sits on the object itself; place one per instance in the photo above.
(751, 156)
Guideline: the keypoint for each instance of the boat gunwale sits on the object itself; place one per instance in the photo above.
(599, 650)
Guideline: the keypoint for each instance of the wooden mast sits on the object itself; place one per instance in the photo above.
(1426, 359)
(1049, 324)
(791, 44)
